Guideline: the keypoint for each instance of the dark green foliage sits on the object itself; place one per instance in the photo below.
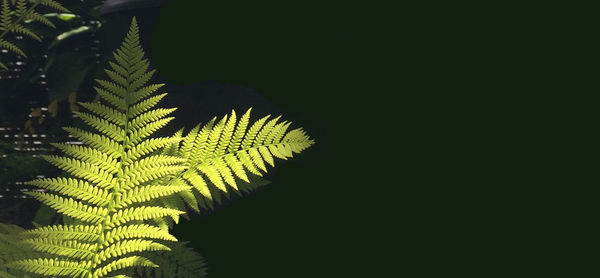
(13, 15)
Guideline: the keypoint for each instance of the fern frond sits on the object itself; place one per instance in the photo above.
(220, 153)
(236, 166)
(13, 13)
(144, 92)
(131, 261)
(116, 88)
(257, 159)
(20, 29)
(54, 5)
(108, 113)
(96, 157)
(53, 267)
(34, 16)
(171, 149)
(135, 136)
(64, 248)
(198, 182)
(172, 202)
(141, 78)
(123, 192)
(11, 47)
(146, 193)
(144, 105)
(120, 81)
(114, 100)
(72, 208)
(75, 188)
(200, 141)
(150, 116)
(225, 138)
(212, 173)
(147, 146)
(140, 213)
(82, 169)
(129, 246)
(113, 178)
(189, 199)
(253, 131)
(102, 143)
(239, 132)
(88, 233)
(213, 139)
(137, 231)
(21, 7)
(141, 175)
(113, 131)
(188, 142)
(5, 17)
(246, 161)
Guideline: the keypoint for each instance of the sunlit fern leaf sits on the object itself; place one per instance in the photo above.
(121, 217)
(188, 142)
(114, 183)
(106, 112)
(137, 230)
(121, 263)
(63, 248)
(82, 233)
(173, 202)
(189, 199)
(53, 267)
(148, 146)
(181, 262)
(80, 189)
(145, 193)
(105, 161)
(224, 152)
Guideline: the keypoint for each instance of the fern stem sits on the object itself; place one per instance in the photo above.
(20, 18)
(117, 188)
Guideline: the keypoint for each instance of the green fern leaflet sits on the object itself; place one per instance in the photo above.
(222, 153)
(12, 15)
